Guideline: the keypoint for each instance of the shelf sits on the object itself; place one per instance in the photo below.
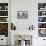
(3, 10)
(41, 28)
(41, 10)
(41, 22)
(3, 16)
(3, 22)
(42, 16)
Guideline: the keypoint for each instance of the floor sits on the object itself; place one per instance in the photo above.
(3, 45)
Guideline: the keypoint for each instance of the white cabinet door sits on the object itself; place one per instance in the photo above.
(3, 40)
(41, 41)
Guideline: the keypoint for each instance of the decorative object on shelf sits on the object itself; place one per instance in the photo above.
(4, 29)
(3, 6)
(6, 7)
(42, 32)
(22, 14)
(3, 13)
(43, 13)
(41, 19)
(13, 27)
(4, 26)
(41, 6)
(31, 27)
(40, 25)
(3, 19)
(0, 7)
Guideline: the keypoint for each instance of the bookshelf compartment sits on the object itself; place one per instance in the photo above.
(41, 19)
(41, 6)
(41, 25)
(3, 6)
(41, 13)
(4, 29)
(3, 19)
(42, 32)
(3, 13)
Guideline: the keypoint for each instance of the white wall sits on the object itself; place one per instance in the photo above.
(32, 7)
(24, 5)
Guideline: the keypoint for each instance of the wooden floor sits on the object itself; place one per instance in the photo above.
(3, 45)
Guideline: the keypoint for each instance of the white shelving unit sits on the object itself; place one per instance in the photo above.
(4, 23)
(3, 12)
(42, 18)
(4, 17)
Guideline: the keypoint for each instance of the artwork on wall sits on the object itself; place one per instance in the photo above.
(22, 14)
(42, 32)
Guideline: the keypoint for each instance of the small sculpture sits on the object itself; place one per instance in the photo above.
(13, 27)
